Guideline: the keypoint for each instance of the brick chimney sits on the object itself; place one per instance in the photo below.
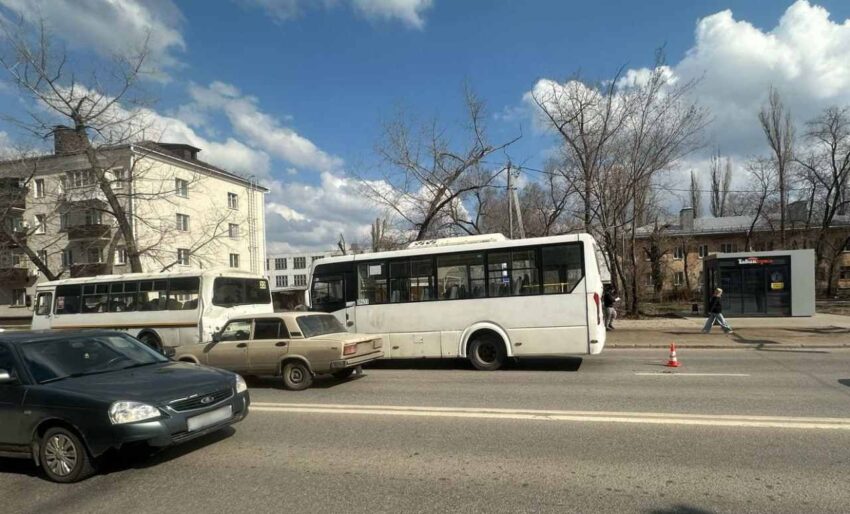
(66, 141)
(686, 218)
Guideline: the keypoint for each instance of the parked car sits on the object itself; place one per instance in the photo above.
(293, 345)
(66, 398)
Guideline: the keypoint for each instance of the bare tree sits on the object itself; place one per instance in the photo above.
(776, 123)
(763, 180)
(827, 163)
(721, 181)
(696, 195)
(428, 174)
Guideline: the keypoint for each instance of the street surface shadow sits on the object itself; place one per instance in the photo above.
(319, 382)
(844, 381)
(821, 330)
(136, 457)
(789, 350)
(738, 338)
(680, 509)
(571, 364)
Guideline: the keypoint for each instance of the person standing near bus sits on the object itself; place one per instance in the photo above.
(715, 313)
(609, 312)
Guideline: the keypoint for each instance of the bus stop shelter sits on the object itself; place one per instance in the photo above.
(776, 283)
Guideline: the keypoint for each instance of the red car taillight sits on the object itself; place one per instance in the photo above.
(349, 349)
(598, 311)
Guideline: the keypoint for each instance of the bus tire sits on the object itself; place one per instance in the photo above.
(152, 340)
(487, 352)
(296, 376)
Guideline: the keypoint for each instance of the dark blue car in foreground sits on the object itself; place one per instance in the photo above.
(66, 398)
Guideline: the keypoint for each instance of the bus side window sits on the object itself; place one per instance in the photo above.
(562, 268)
(68, 299)
(183, 293)
(42, 306)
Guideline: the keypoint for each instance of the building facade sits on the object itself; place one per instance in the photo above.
(671, 253)
(183, 213)
(288, 275)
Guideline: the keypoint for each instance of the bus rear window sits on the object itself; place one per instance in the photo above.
(228, 291)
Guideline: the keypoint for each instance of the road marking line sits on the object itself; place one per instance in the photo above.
(556, 415)
(660, 373)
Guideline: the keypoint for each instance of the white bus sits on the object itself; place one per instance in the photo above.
(485, 298)
(161, 309)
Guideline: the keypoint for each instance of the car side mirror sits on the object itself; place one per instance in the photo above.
(6, 377)
(216, 337)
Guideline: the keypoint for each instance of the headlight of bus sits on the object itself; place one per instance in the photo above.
(241, 386)
(130, 412)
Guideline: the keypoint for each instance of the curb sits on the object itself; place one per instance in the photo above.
(741, 346)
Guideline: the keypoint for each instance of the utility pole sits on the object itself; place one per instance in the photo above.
(510, 203)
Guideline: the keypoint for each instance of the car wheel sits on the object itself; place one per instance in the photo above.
(151, 340)
(344, 373)
(487, 353)
(296, 376)
(63, 456)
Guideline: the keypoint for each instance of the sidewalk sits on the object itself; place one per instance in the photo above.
(819, 331)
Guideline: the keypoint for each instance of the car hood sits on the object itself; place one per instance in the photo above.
(157, 383)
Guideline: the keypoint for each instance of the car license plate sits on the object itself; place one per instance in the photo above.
(209, 418)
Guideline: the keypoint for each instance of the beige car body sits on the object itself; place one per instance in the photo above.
(248, 347)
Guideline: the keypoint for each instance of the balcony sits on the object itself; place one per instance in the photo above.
(89, 270)
(15, 275)
(87, 231)
(6, 241)
(13, 194)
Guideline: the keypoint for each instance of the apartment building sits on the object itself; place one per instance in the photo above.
(183, 213)
(672, 252)
(288, 275)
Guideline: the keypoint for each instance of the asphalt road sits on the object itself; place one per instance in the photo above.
(729, 431)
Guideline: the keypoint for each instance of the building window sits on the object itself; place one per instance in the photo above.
(63, 221)
(93, 217)
(182, 187)
(847, 245)
(316, 257)
(281, 281)
(79, 178)
(679, 253)
(679, 278)
(299, 262)
(19, 297)
(39, 188)
(120, 255)
(93, 255)
(233, 230)
(183, 256)
(234, 260)
(18, 260)
(233, 200)
(267, 264)
(647, 280)
(183, 222)
(728, 247)
(118, 178)
(703, 251)
(844, 273)
(42, 256)
(300, 280)
(280, 263)
(40, 224)
(67, 258)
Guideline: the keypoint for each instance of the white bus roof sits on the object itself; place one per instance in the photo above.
(463, 246)
(222, 272)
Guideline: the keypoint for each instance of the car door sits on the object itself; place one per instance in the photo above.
(231, 351)
(11, 402)
(268, 345)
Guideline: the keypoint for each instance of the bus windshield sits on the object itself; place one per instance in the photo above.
(230, 291)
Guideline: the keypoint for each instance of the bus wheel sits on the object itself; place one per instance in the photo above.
(151, 340)
(296, 376)
(487, 352)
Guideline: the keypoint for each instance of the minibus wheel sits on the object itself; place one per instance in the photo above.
(151, 339)
(487, 352)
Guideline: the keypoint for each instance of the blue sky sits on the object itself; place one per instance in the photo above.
(294, 91)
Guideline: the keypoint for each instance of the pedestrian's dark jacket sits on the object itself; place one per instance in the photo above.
(607, 299)
(714, 305)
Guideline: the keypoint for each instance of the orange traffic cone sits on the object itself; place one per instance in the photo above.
(673, 362)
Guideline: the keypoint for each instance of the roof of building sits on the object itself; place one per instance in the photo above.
(728, 225)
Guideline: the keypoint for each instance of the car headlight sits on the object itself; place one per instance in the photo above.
(241, 386)
(130, 412)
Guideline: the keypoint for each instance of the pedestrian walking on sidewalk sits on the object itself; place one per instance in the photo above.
(609, 312)
(715, 313)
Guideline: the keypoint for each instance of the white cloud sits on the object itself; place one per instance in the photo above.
(409, 12)
(108, 26)
(260, 129)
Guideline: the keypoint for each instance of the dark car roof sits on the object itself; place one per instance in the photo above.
(31, 336)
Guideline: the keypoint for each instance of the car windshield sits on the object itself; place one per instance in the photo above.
(58, 359)
(319, 325)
